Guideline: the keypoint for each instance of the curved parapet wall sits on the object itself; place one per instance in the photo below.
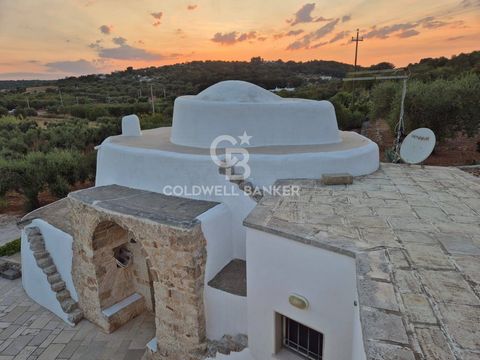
(235, 107)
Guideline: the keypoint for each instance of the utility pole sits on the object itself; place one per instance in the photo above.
(153, 101)
(28, 103)
(356, 40)
(60, 93)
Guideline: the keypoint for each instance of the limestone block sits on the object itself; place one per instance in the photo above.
(337, 179)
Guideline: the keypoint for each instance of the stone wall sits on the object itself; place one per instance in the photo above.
(176, 259)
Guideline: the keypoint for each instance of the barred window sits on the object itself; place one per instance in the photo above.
(302, 340)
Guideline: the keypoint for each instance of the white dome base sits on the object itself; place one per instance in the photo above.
(234, 107)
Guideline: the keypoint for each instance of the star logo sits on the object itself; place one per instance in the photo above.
(245, 139)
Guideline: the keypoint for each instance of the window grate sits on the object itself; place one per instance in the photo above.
(302, 340)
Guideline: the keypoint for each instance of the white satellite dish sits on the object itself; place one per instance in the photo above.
(417, 146)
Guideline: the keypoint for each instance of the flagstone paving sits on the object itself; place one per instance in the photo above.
(29, 332)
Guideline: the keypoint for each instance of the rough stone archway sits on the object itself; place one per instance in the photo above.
(174, 246)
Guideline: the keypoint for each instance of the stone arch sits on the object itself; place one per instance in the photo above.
(117, 279)
(175, 252)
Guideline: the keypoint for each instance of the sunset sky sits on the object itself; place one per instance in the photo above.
(45, 39)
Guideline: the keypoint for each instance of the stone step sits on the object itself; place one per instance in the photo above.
(35, 239)
(50, 270)
(58, 286)
(68, 305)
(63, 295)
(33, 231)
(54, 278)
(75, 316)
(43, 263)
(37, 247)
(41, 254)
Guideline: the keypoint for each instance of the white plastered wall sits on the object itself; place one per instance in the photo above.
(278, 267)
(225, 313)
(34, 280)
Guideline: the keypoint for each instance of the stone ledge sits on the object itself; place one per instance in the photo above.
(232, 278)
(146, 205)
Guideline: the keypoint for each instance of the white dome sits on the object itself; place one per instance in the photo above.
(234, 107)
(237, 91)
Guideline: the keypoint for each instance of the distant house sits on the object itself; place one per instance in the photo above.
(277, 89)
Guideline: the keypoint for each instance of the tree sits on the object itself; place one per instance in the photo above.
(382, 66)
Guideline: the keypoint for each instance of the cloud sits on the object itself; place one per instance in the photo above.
(124, 51)
(127, 52)
(247, 36)
(157, 16)
(304, 15)
(73, 67)
(409, 29)
(290, 33)
(192, 7)
(456, 38)
(320, 44)
(119, 40)
(262, 38)
(408, 33)
(225, 39)
(325, 29)
(95, 45)
(431, 23)
(385, 31)
(233, 37)
(346, 18)
(106, 29)
(339, 36)
(469, 3)
(294, 32)
(305, 41)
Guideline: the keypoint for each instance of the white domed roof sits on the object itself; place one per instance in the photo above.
(237, 91)
(237, 107)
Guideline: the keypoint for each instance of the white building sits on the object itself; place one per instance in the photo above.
(311, 268)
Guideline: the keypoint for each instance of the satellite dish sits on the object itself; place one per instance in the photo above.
(417, 146)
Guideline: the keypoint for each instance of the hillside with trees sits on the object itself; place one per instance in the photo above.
(48, 129)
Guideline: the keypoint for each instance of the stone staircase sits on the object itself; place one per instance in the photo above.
(45, 262)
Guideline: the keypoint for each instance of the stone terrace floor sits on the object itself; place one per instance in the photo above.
(415, 234)
(28, 332)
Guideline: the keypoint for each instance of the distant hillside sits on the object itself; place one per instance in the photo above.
(22, 84)
(195, 76)
(444, 68)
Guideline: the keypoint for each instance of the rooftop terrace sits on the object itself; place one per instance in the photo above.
(415, 234)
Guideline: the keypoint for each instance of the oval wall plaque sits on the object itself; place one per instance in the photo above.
(298, 301)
